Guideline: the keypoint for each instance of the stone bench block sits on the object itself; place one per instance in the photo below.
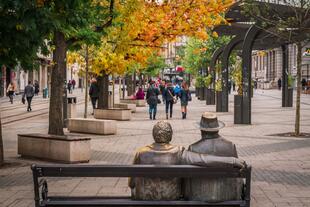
(132, 107)
(92, 126)
(139, 103)
(114, 114)
(66, 149)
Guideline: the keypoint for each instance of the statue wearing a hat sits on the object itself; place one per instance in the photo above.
(211, 143)
(161, 152)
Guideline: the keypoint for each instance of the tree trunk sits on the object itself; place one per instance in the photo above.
(103, 84)
(57, 85)
(1, 146)
(297, 117)
(129, 85)
(86, 84)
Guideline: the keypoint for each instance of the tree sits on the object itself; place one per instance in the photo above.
(289, 22)
(21, 38)
(155, 63)
(71, 23)
(198, 53)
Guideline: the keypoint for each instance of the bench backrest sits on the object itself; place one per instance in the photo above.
(162, 171)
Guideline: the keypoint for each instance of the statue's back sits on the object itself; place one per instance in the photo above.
(213, 190)
(157, 188)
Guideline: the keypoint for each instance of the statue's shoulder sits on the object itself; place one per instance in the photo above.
(143, 150)
(226, 141)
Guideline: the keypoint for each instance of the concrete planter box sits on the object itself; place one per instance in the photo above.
(139, 103)
(114, 114)
(65, 149)
(132, 107)
(92, 126)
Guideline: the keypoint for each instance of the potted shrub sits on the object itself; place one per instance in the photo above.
(238, 99)
(199, 87)
(218, 90)
(210, 95)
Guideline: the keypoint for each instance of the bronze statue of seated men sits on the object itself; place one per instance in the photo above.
(211, 143)
(163, 153)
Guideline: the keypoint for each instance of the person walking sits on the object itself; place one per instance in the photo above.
(279, 83)
(169, 98)
(69, 86)
(140, 94)
(304, 84)
(73, 84)
(152, 99)
(29, 93)
(162, 89)
(94, 93)
(10, 91)
(185, 97)
(36, 88)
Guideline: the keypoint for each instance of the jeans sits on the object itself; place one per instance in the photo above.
(169, 104)
(153, 109)
(11, 94)
(29, 99)
(94, 102)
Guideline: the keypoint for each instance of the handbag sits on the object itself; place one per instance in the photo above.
(174, 99)
(23, 100)
(189, 96)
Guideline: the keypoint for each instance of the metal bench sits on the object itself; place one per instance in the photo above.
(42, 198)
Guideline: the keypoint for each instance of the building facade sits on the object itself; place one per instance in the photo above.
(267, 65)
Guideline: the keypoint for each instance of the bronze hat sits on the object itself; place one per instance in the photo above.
(209, 122)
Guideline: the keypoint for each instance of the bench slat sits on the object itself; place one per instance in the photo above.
(185, 171)
(135, 171)
(126, 201)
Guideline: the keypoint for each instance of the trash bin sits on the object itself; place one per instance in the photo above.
(45, 92)
(71, 109)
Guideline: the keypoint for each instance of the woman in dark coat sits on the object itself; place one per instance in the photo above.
(94, 93)
(169, 98)
(152, 99)
(185, 97)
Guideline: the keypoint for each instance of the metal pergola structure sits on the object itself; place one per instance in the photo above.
(246, 37)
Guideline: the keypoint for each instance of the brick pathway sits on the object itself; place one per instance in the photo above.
(281, 165)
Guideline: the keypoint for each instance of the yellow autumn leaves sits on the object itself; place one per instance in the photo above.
(141, 27)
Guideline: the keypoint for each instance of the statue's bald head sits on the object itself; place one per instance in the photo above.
(162, 132)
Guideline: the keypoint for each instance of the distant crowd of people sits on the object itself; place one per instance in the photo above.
(171, 93)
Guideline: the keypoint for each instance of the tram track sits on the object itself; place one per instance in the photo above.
(20, 116)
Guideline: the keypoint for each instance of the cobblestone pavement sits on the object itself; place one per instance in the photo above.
(281, 165)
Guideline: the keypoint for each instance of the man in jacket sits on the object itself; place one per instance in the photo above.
(29, 93)
(94, 93)
(161, 152)
(169, 98)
